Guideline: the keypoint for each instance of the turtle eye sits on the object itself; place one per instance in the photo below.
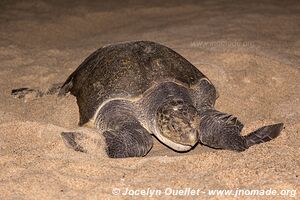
(179, 102)
(174, 127)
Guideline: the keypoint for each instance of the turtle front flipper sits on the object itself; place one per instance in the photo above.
(72, 140)
(132, 141)
(263, 134)
(222, 131)
(124, 134)
(84, 140)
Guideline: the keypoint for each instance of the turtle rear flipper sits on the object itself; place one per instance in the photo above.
(263, 134)
(54, 89)
(26, 93)
(33, 93)
(66, 87)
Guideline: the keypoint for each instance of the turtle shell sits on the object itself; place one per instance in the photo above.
(126, 71)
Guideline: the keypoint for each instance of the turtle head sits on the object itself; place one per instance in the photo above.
(177, 123)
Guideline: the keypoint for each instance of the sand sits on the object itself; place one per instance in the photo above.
(249, 49)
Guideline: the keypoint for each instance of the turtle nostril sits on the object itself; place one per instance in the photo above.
(184, 136)
(190, 137)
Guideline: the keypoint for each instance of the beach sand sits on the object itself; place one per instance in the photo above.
(250, 50)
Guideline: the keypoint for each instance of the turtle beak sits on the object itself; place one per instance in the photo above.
(190, 138)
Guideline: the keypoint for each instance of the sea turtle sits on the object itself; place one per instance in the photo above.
(130, 91)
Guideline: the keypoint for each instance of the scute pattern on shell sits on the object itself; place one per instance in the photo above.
(126, 70)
